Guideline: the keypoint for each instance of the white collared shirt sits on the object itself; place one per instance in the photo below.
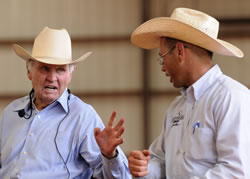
(206, 132)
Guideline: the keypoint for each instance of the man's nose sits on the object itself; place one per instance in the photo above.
(51, 76)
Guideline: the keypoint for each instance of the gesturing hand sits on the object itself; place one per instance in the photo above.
(109, 138)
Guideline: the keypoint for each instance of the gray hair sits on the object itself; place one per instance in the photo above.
(71, 67)
(29, 65)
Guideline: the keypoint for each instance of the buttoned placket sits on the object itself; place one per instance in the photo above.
(188, 119)
(23, 154)
(186, 131)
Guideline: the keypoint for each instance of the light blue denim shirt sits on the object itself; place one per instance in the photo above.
(54, 140)
(206, 133)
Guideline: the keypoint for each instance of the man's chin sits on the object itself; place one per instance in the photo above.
(177, 85)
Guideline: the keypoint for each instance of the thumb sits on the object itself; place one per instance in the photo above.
(97, 131)
(146, 153)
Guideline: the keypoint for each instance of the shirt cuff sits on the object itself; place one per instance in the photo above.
(113, 163)
(116, 154)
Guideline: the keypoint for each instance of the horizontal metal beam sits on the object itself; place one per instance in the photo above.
(74, 40)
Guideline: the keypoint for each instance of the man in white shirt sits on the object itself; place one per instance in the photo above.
(205, 133)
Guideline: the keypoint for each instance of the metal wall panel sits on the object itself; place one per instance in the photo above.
(111, 67)
(158, 110)
(24, 19)
(219, 9)
(237, 68)
(12, 72)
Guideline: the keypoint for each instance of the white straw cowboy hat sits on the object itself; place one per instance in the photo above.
(187, 25)
(51, 46)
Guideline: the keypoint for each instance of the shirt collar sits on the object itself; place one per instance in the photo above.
(197, 90)
(62, 100)
(23, 105)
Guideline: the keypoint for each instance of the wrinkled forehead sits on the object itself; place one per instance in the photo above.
(37, 63)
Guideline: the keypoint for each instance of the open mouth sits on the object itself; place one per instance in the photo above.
(50, 87)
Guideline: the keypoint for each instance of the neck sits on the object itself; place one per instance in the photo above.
(40, 105)
(199, 68)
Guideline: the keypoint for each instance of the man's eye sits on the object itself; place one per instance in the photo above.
(44, 68)
(61, 69)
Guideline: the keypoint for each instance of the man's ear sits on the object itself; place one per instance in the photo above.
(74, 68)
(180, 51)
(180, 48)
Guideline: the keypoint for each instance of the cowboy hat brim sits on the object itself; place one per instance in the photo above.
(149, 33)
(21, 52)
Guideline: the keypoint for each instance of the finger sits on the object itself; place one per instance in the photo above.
(120, 132)
(138, 171)
(137, 168)
(137, 162)
(119, 124)
(112, 119)
(146, 153)
(137, 155)
(138, 174)
(119, 141)
(116, 143)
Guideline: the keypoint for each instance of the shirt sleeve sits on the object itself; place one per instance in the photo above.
(101, 166)
(118, 166)
(156, 166)
(111, 168)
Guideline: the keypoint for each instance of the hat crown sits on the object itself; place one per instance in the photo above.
(53, 44)
(188, 25)
(197, 20)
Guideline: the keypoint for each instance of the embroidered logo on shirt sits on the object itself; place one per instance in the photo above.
(176, 119)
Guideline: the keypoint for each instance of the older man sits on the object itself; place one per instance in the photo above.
(52, 133)
(206, 130)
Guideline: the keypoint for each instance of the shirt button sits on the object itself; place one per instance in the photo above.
(31, 134)
(24, 153)
(110, 163)
(38, 116)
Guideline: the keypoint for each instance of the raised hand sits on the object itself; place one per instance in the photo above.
(110, 137)
(138, 162)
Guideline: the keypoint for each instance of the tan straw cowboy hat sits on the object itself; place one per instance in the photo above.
(187, 25)
(51, 46)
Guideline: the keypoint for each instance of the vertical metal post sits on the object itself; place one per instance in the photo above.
(146, 87)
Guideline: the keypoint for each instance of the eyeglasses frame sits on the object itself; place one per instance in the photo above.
(161, 58)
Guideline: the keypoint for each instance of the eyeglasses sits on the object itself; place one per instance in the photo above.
(160, 59)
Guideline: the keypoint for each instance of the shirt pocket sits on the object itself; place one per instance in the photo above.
(200, 145)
